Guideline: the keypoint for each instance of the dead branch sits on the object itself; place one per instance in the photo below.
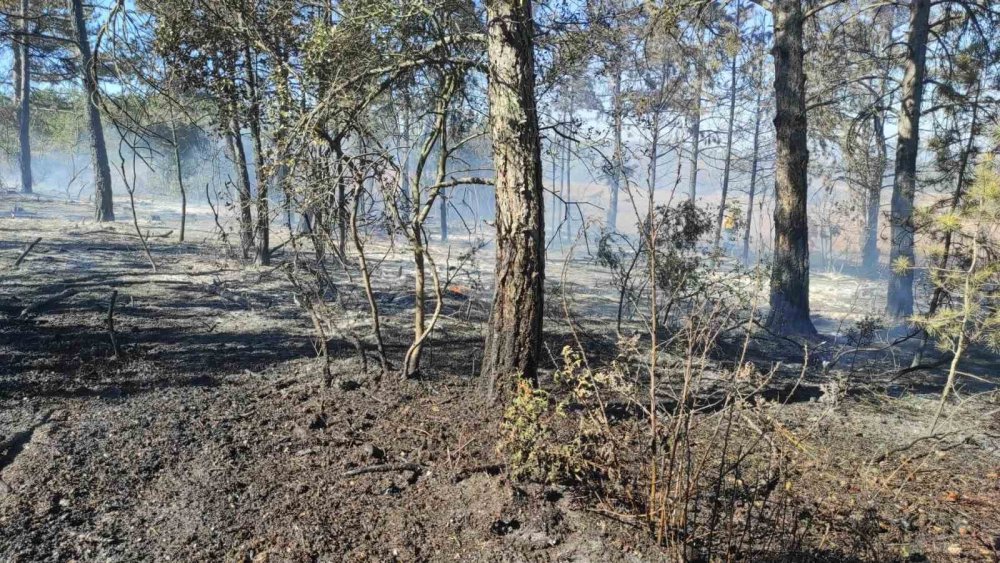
(366, 278)
(218, 225)
(150, 235)
(25, 253)
(39, 306)
(383, 468)
(935, 437)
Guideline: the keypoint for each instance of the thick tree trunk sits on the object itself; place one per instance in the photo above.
(790, 272)
(237, 155)
(514, 337)
(729, 135)
(103, 198)
(754, 163)
(695, 142)
(899, 302)
(22, 89)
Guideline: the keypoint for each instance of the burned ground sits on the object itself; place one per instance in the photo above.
(211, 437)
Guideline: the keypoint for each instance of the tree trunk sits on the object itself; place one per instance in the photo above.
(729, 134)
(790, 272)
(869, 253)
(618, 158)
(103, 198)
(238, 156)
(22, 89)
(567, 188)
(339, 214)
(180, 175)
(341, 211)
(514, 337)
(366, 278)
(556, 148)
(695, 142)
(754, 163)
(419, 303)
(443, 203)
(901, 257)
(405, 157)
(262, 234)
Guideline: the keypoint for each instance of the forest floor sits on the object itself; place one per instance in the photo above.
(209, 435)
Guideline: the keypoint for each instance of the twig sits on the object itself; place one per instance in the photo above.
(383, 468)
(887, 453)
(896, 374)
(25, 253)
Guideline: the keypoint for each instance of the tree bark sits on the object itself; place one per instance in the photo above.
(443, 203)
(869, 253)
(405, 157)
(22, 89)
(366, 277)
(618, 158)
(237, 155)
(103, 197)
(341, 213)
(262, 233)
(899, 302)
(754, 163)
(565, 177)
(557, 149)
(514, 337)
(729, 134)
(790, 272)
(180, 174)
(419, 303)
(695, 142)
